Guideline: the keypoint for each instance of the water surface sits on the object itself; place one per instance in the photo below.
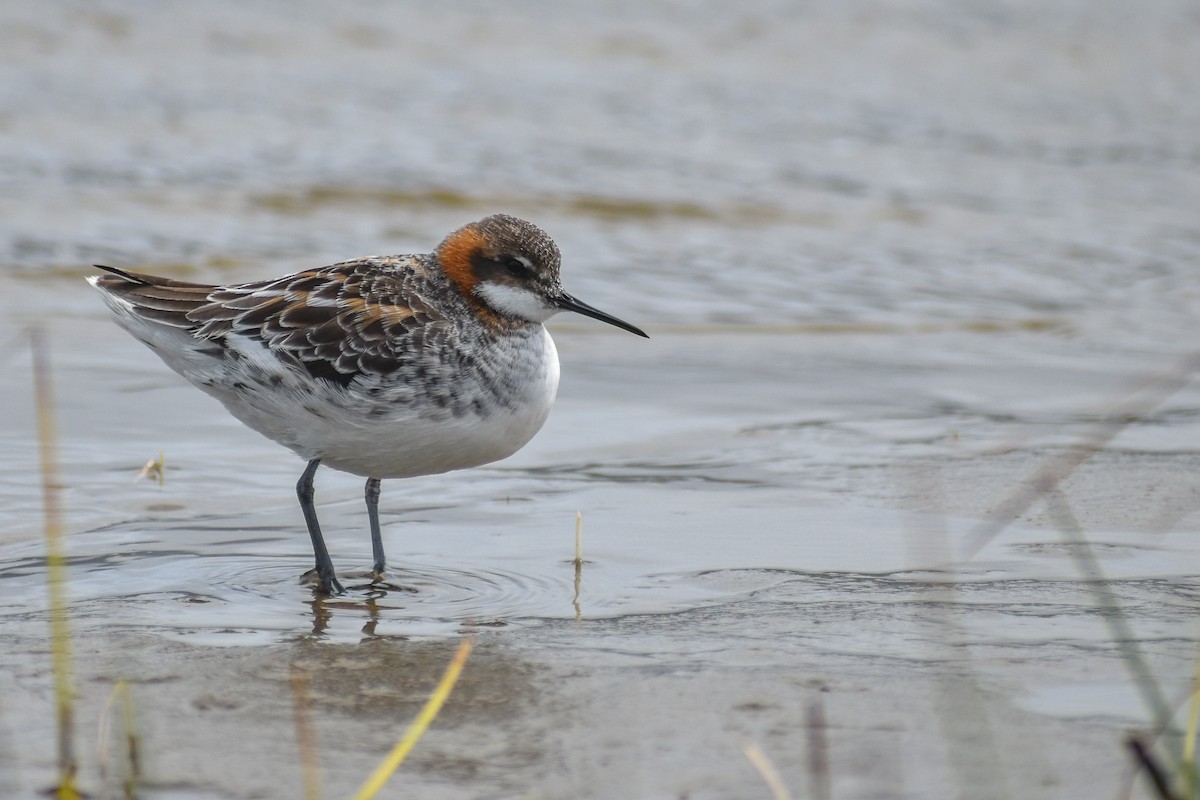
(894, 258)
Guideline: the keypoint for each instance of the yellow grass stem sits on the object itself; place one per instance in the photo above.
(56, 567)
(1189, 740)
(132, 766)
(306, 736)
(767, 770)
(103, 735)
(415, 731)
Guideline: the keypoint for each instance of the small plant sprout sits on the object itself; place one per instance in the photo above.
(578, 538)
(155, 469)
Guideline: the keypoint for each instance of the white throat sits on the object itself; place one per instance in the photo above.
(516, 301)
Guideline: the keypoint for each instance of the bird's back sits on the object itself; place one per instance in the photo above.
(377, 366)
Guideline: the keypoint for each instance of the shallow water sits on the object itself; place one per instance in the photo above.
(894, 259)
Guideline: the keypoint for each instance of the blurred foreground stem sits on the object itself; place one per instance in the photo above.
(419, 726)
(56, 567)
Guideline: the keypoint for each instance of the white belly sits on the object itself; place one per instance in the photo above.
(393, 434)
(405, 448)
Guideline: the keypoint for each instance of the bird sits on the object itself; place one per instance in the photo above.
(383, 367)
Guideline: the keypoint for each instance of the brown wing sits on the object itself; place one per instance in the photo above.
(163, 300)
(336, 321)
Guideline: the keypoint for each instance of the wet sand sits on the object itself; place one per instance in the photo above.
(894, 261)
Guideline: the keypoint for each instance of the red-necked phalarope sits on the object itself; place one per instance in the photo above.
(385, 367)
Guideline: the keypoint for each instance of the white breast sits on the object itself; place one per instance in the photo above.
(403, 438)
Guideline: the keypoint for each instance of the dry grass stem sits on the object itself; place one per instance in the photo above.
(1159, 777)
(819, 778)
(1119, 628)
(56, 567)
(1189, 739)
(578, 564)
(578, 537)
(1150, 394)
(415, 731)
(306, 735)
(130, 767)
(766, 769)
(1045, 484)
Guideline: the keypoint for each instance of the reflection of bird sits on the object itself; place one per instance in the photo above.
(385, 367)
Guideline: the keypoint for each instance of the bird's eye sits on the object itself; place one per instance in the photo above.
(516, 267)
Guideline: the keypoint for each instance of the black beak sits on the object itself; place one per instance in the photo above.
(568, 303)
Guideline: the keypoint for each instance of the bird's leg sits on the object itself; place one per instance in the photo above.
(372, 494)
(327, 582)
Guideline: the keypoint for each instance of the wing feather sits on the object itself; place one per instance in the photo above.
(336, 322)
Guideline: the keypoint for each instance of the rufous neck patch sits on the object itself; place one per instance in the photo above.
(454, 255)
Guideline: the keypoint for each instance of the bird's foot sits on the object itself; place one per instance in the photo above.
(379, 583)
(324, 584)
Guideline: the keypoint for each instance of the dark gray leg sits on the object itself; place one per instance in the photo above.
(373, 516)
(327, 582)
